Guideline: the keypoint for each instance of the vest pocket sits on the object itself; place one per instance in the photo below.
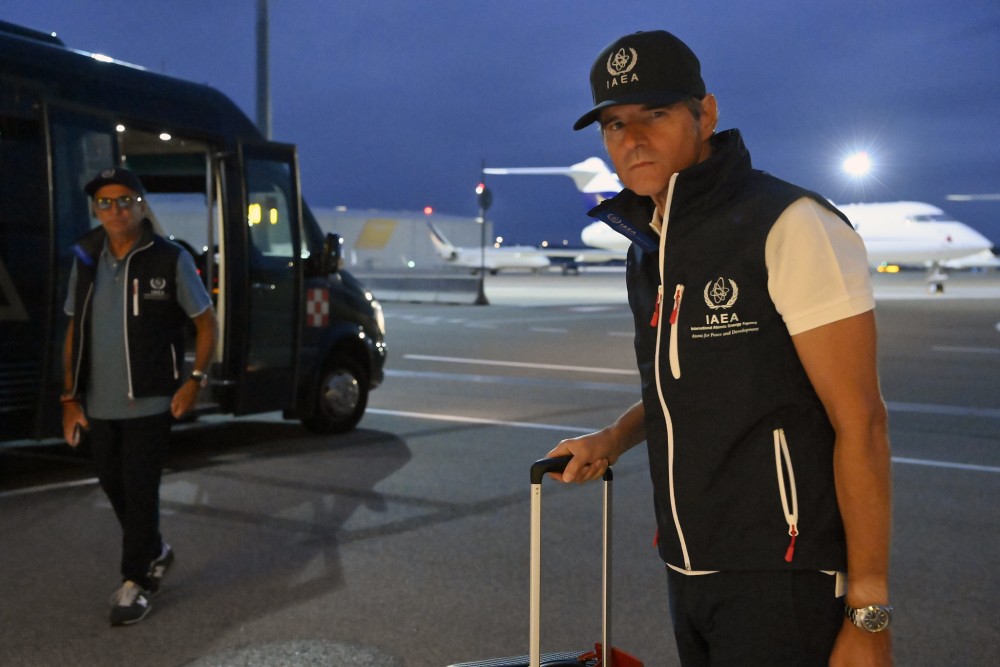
(786, 488)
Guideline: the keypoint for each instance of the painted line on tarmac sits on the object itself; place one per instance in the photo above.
(579, 430)
(970, 350)
(576, 430)
(519, 364)
(47, 487)
(510, 380)
(479, 420)
(946, 464)
(950, 410)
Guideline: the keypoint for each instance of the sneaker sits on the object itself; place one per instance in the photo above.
(158, 568)
(130, 604)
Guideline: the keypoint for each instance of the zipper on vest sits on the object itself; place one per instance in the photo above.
(81, 337)
(135, 309)
(669, 425)
(675, 361)
(128, 359)
(656, 309)
(789, 498)
(173, 357)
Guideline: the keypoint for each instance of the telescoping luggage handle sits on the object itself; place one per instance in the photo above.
(538, 471)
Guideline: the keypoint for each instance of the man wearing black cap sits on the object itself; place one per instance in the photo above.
(130, 294)
(761, 409)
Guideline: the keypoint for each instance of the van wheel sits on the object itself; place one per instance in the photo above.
(341, 398)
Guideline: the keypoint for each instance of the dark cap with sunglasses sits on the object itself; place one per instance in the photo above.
(115, 176)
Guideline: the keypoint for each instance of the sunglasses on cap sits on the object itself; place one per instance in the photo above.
(125, 202)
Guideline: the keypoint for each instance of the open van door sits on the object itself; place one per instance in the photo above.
(273, 242)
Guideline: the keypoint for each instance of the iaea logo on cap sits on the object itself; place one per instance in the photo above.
(620, 64)
(108, 173)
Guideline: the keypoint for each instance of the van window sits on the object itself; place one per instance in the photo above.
(269, 215)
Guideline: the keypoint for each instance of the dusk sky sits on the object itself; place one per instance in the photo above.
(396, 105)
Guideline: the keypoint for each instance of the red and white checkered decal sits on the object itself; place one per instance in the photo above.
(318, 307)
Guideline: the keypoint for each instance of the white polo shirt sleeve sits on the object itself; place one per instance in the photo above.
(817, 268)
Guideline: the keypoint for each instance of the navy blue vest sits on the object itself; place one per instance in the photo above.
(154, 321)
(731, 380)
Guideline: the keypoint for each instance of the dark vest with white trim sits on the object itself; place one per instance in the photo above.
(154, 321)
(735, 383)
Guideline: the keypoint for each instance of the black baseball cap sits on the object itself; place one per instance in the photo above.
(115, 176)
(643, 68)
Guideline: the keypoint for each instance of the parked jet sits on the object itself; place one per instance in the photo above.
(493, 259)
(903, 233)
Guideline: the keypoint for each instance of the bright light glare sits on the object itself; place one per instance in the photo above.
(858, 164)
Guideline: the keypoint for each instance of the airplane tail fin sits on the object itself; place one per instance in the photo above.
(443, 247)
(591, 177)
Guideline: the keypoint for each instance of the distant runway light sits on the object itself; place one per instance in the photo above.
(858, 164)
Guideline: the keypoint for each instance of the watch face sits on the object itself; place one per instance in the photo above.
(875, 618)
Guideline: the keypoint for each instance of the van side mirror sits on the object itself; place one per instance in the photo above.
(332, 257)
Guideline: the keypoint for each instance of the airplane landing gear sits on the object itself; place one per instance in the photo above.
(935, 279)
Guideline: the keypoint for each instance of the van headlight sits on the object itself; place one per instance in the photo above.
(379, 315)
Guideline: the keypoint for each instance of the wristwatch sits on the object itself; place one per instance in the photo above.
(200, 377)
(873, 618)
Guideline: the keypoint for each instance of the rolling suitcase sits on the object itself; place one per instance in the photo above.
(602, 655)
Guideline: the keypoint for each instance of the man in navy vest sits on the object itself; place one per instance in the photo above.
(755, 339)
(131, 293)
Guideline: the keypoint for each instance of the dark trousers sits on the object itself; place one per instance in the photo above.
(771, 619)
(129, 455)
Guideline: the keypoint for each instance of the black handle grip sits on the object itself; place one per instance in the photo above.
(556, 464)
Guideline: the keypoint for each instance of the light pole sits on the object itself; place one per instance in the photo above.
(263, 73)
(485, 198)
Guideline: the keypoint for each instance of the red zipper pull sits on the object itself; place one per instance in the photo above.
(656, 311)
(791, 545)
(677, 306)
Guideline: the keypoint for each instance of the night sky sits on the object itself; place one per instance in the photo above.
(396, 105)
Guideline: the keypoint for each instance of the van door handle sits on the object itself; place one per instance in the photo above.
(270, 287)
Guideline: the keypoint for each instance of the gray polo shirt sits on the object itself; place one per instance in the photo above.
(107, 384)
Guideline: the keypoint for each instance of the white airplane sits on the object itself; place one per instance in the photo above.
(493, 259)
(902, 233)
